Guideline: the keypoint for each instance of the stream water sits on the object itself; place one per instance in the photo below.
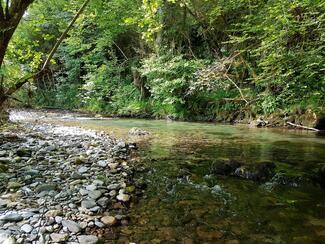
(185, 203)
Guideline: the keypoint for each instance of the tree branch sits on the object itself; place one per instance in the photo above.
(240, 91)
(226, 75)
(120, 49)
(64, 34)
(27, 77)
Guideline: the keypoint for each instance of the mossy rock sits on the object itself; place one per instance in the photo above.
(3, 168)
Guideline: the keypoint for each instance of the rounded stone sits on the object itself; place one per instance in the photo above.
(27, 228)
(108, 220)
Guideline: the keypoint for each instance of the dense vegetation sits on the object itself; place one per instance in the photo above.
(185, 59)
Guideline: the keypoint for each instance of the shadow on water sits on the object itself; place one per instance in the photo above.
(185, 203)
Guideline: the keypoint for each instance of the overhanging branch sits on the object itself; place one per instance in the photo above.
(26, 78)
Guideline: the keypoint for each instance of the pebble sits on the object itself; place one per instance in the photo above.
(87, 239)
(83, 170)
(123, 197)
(53, 213)
(71, 225)
(27, 228)
(91, 187)
(88, 204)
(58, 219)
(103, 202)
(113, 186)
(108, 220)
(94, 194)
(11, 217)
(102, 163)
(66, 195)
(99, 224)
(55, 237)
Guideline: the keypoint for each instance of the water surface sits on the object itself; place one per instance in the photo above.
(185, 203)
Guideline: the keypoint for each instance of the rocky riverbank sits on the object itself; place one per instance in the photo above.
(63, 184)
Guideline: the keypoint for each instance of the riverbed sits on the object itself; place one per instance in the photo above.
(185, 202)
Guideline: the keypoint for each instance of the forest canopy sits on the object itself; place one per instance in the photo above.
(185, 59)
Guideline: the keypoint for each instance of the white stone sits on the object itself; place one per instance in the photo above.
(27, 228)
(71, 225)
(83, 170)
(102, 163)
(123, 197)
(59, 237)
(87, 239)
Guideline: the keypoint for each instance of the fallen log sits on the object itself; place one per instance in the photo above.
(302, 127)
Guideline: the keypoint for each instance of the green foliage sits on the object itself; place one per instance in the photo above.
(169, 78)
(220, 53)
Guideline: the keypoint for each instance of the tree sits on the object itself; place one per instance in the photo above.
(17, 85)
(11, 13)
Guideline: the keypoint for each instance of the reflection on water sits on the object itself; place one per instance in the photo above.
(184, 203)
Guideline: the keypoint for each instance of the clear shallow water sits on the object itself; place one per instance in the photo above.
(184, 203)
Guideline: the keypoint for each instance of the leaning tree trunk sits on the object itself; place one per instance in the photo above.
(11, 13)
(4, 41)
(5, 37)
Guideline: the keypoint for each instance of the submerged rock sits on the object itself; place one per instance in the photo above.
(138, 132)
(257, 172)
(12, 185)
(286, 179)
(254, 171)
(224, 167)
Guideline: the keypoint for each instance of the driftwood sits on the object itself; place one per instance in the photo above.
(302, 127)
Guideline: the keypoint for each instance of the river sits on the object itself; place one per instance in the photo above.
(185, 203)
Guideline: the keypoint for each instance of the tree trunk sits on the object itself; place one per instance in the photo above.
(11, 13)
(5, 37)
